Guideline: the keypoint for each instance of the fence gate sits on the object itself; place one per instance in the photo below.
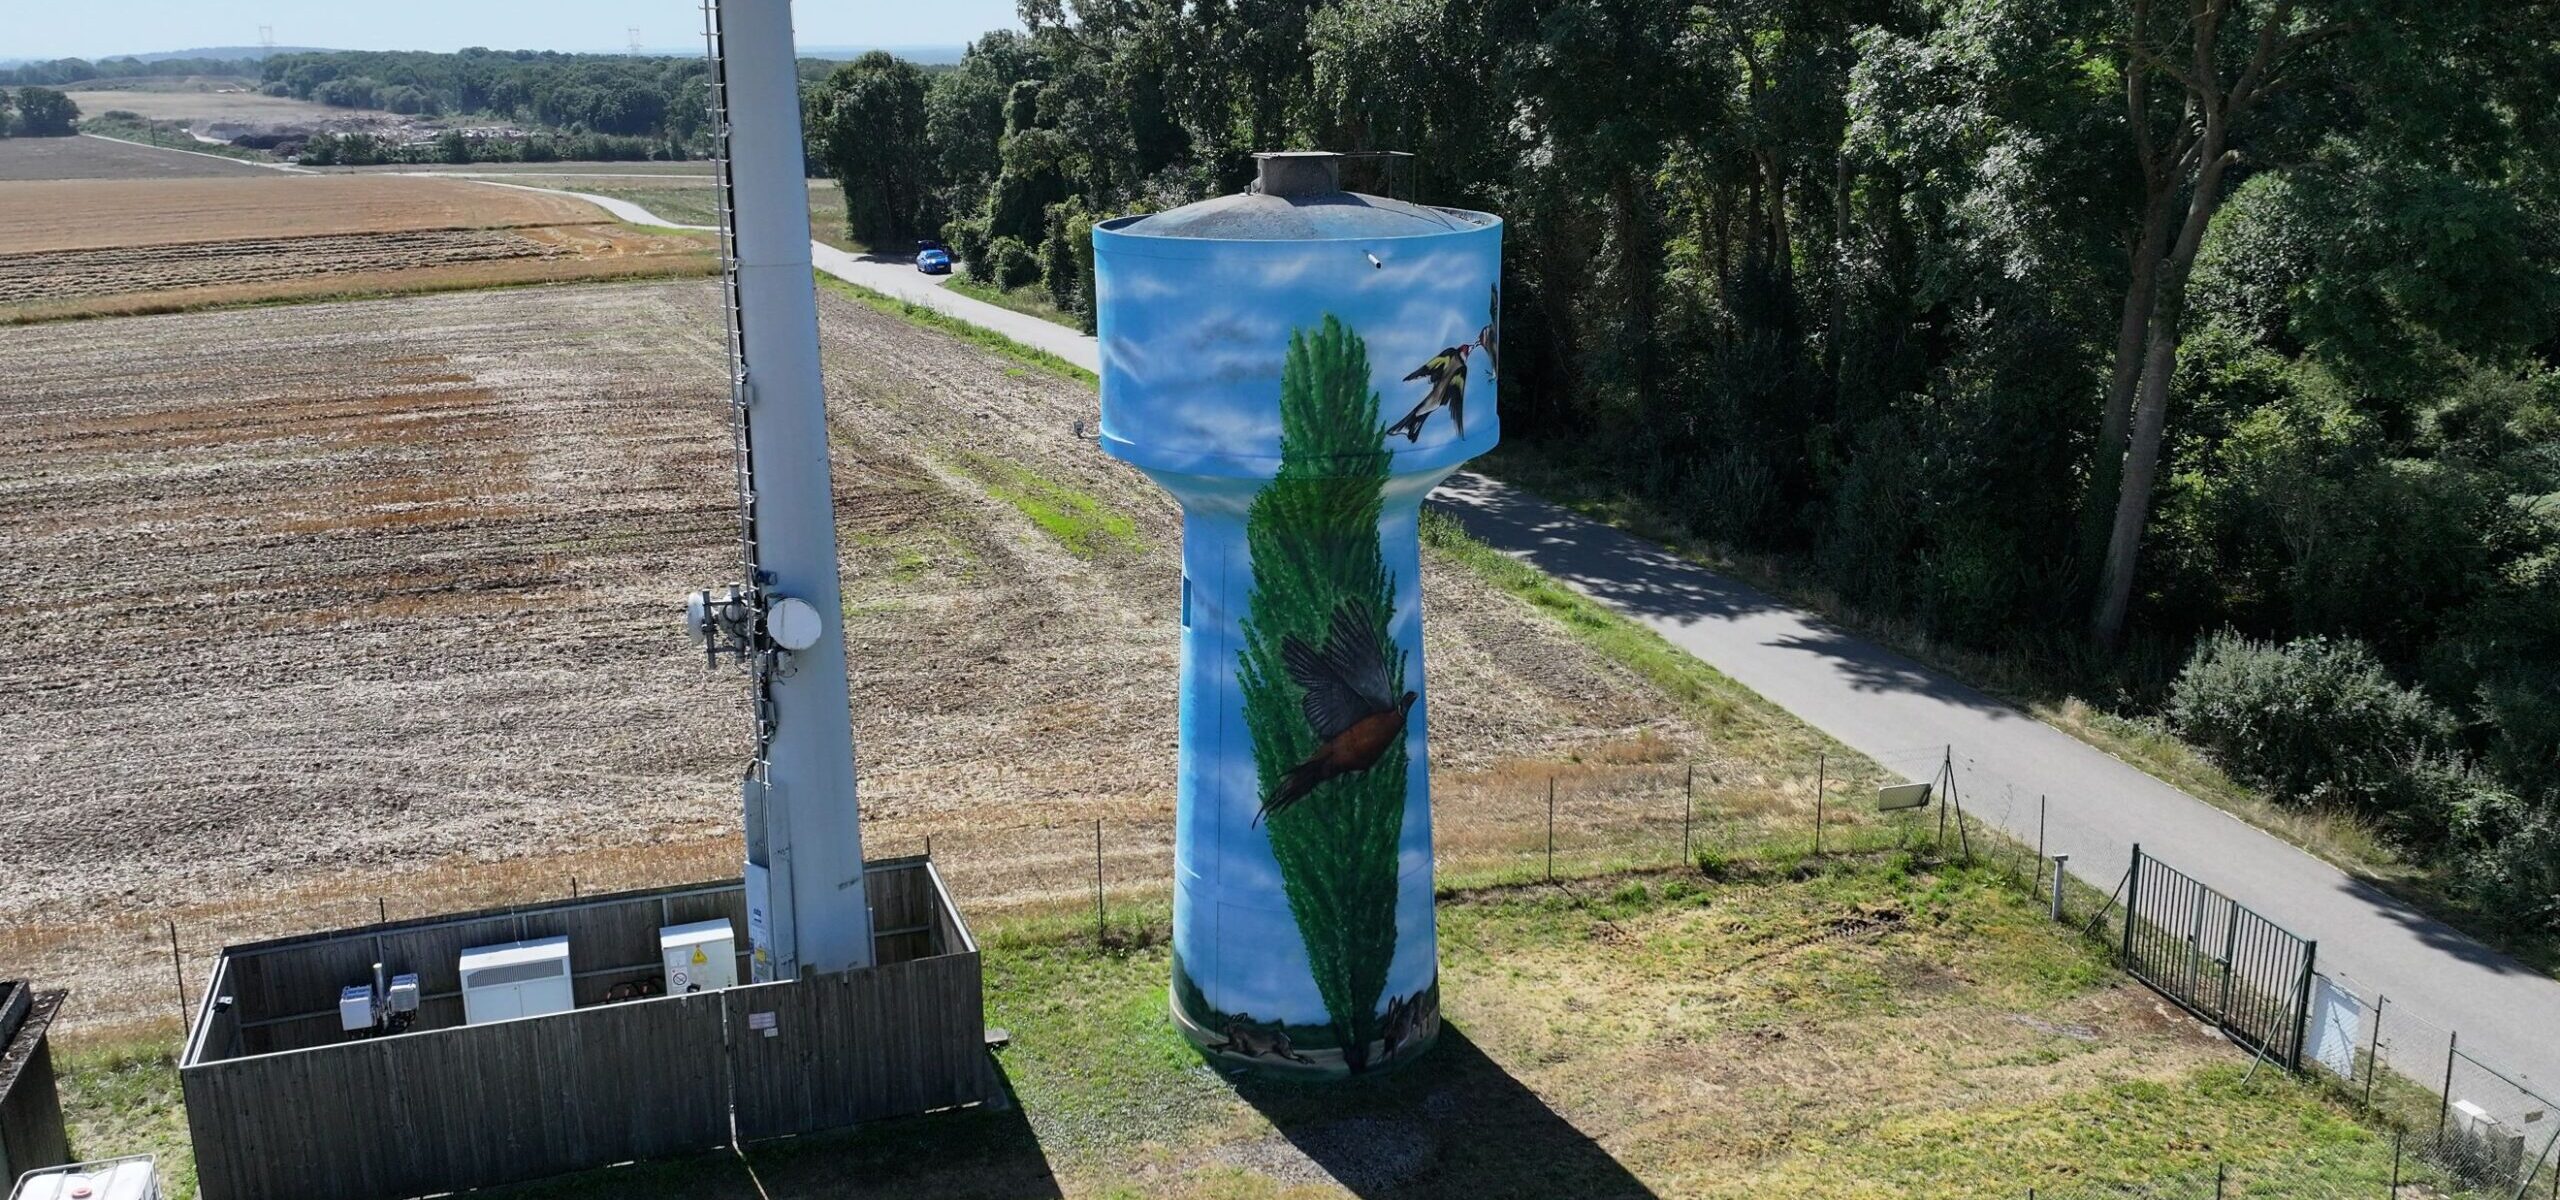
(2217, 959)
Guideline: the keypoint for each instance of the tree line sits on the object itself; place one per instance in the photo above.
(664, 98)
(60, 71)
(2202, 355)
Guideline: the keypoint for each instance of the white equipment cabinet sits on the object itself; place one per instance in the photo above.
(701, 957)
(516, 979)
(134, 1178)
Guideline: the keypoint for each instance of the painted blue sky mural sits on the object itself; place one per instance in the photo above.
(1282, 915)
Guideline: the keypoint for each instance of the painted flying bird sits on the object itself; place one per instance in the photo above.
(1447, 372)
(1350, 703)
(1491, 334)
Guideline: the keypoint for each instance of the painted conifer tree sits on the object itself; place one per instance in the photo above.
(1313, 533)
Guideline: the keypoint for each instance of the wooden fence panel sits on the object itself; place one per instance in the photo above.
(888, 1041)
(31, 1131)
(462, 1108)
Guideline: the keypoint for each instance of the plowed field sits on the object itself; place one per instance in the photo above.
(76, 248)
(78, 214)
(339, 602)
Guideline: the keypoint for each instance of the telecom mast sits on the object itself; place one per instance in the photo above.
(807, 909)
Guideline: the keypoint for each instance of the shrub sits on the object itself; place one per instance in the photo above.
(2313, 721)
(1011, 264)
(968, 241)
(2508, 861)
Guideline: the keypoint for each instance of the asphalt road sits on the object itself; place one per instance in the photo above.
(891, 275)
(2429, 977)
(1904, 716)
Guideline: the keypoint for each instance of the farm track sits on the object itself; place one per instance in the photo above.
(377, 599)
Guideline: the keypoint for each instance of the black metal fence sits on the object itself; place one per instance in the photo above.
(2217, 959)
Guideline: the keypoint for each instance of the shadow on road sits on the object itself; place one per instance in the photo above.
(1652, 583)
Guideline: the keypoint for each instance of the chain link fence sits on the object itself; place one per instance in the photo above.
(2465, 1129)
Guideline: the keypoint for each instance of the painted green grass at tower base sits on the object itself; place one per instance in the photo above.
(1313, 534)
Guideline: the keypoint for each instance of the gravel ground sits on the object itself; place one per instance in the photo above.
(346, 600)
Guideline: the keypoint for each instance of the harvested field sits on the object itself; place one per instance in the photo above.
(378, 599)
(85, 249)
(203, 103)
(85, 214)
(92, 283)
(28, 159)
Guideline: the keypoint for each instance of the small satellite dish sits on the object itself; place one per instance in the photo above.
(794, 624)
(1902, 796)
(697, 615)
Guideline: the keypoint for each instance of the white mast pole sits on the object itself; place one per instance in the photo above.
(808, 908)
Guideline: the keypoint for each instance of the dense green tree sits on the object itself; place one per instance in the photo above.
(44, 112)
(870, 123)
(2076, 329)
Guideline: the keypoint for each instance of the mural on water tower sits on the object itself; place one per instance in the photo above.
(1301, 397)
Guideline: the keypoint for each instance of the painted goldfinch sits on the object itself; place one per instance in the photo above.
(1447, 372)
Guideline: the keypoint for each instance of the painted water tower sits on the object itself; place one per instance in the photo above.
(1299, 366)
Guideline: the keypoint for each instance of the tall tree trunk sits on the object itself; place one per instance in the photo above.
(1630, 216)
(2131, 328)
(1782, 253)
(2151, 397)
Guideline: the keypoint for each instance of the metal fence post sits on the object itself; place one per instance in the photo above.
(1821, 780)
(1947, 776)
(1688, 801)
(2057, 880)
(2132, 896)
(178, 968)
(2217, 1181)
(2059, 861)
(2396, 1139)
(1551, 829)
(2444, 1108)
(2301, 1003)
(2533, 1170)
(1097, 885)
(2373, 1057)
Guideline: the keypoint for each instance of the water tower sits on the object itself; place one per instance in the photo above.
(1299, 366)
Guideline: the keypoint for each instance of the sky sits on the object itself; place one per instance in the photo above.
(98, 28)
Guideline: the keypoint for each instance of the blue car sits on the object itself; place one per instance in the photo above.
(932, 259)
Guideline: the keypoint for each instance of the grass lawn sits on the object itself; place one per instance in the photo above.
(1884, 1024)
(1081, 523)
(1030, 300)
